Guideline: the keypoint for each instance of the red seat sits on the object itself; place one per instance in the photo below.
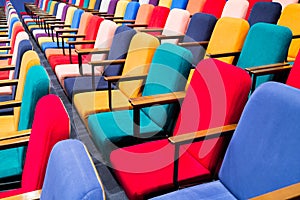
(294, 76)
(214, 7)
(216, 97)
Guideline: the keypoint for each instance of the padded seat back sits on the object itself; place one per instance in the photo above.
(104, 5)
(59, 12)
(159, 17)
(263, 152)
(181, 4)
(70, 15)
(165, 3)
(142, 46)
(252, 3)
(214, 7)
(131, 10)
(92, 4)
(237, 9)
(144, 14)
(168, 73)
(284, 3)
(46, 132)
(195, 6)
(290, 18)
(81, 181)
(112, 7)
(293, 78)
(76, 18)
(268, 12)
(121, 8)
(84, 26)
(215, 97)
(265, 44)
(228, 36)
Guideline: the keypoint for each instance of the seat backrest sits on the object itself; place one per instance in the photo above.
(293, 78)
(215, 97)
(64, 12)
(59, 11)
(83, 26)
(252, 3)
(70, 14)
(142, 46)
(195, 6)
(86, 3)
(284, 3)
(92, 4)
(11, 25)
(119, 49)
(237, 9)
(214, 7)
(159, 17)
(268, 12)
(176, 24)
(18, 27)
(165, 3)
(143, 2)
(200, 28)
(263, 153)
(30, 58)
(168, 73)
(97, 5)
(144, 14)
(76, 18)
(46, 132)
(71, 156)
(228, 36)
(153, 2)
(20, 37)
(121, 8)
(131, 10)
(181, 4)
(290, 18)
(104, 5)
(111, 7)
(265, 44)
(53, 8)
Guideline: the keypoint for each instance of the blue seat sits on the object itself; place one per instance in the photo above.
(118, 50)
(268, 12)
(181, 4)
(168, 73)
(263, 154)
(131, 10)
(71, 174)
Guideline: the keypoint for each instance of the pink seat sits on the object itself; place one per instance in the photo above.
(235, 8)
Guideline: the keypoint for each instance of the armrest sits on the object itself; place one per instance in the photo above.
(6, 68)
(265, 69)
(81, 42)
(152, 30)
(10, 104)
(51, 20)
(3, 35)
(5, 41)
(14, 142)
(5, 47)
(107, 62)
(67, 30)
(219, 55)
(3, 26)
(190, 44)
(104, 14)
(201, 135)
(163, 37)
(136, 25)
(146, 101)
(112, 18)
(8, 83)
(91, 51)
(55, 22)
(288, 192)
(6, 55)
(124, 21)
(59, 26)
(15, 134)
(296, 36)
(72, 36)
(124, 78)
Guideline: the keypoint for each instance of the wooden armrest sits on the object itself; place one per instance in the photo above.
(288, 192)
(147, 101)
(190, 44)
(124, 78)
(104, 14)
(201, 135)
(219, 55)
(163, 37)
(5, 41)
(124, 21)
(51, 20)
(250, 69)
(92, 51)
(271, 70)
(8, 83)
(81, 42)
(72, 36)
(6, 68)
(67, 30)
(152, 30)
(44, 17)
(54, 22)
(3, 26)
(10, 104)
(15, 134)
(136, 25)
(3, 35)
(112, 18)
(14, 142)
(5, 47)
(59, 26)
(107, 62)
(296, 36)
(6, 55)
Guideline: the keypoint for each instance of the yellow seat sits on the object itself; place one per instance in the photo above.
(165, 3)
(290, 18)
(139, 56)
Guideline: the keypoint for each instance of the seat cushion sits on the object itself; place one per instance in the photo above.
(4, 98)
(61, 59)
(148, 168)
(111, 130)
(94, 102)
(213, 190)
(53, 47)
(13, 164)
(7, 124)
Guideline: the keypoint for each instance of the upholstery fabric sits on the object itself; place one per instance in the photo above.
(181, 4)
(214, 7)
(144, 14)
(165, 3)
(237, 9)
(252, 3)
(159, 17)
(119, 131)
(284, 3)
(71, 174)
(214, 86)
(293, 78)
(131, 10)
(195, 6)
(268, 12)
(265, 44)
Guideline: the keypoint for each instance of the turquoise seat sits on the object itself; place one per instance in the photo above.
(168, 73)
(37, 85)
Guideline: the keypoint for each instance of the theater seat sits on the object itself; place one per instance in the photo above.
(45, 133)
